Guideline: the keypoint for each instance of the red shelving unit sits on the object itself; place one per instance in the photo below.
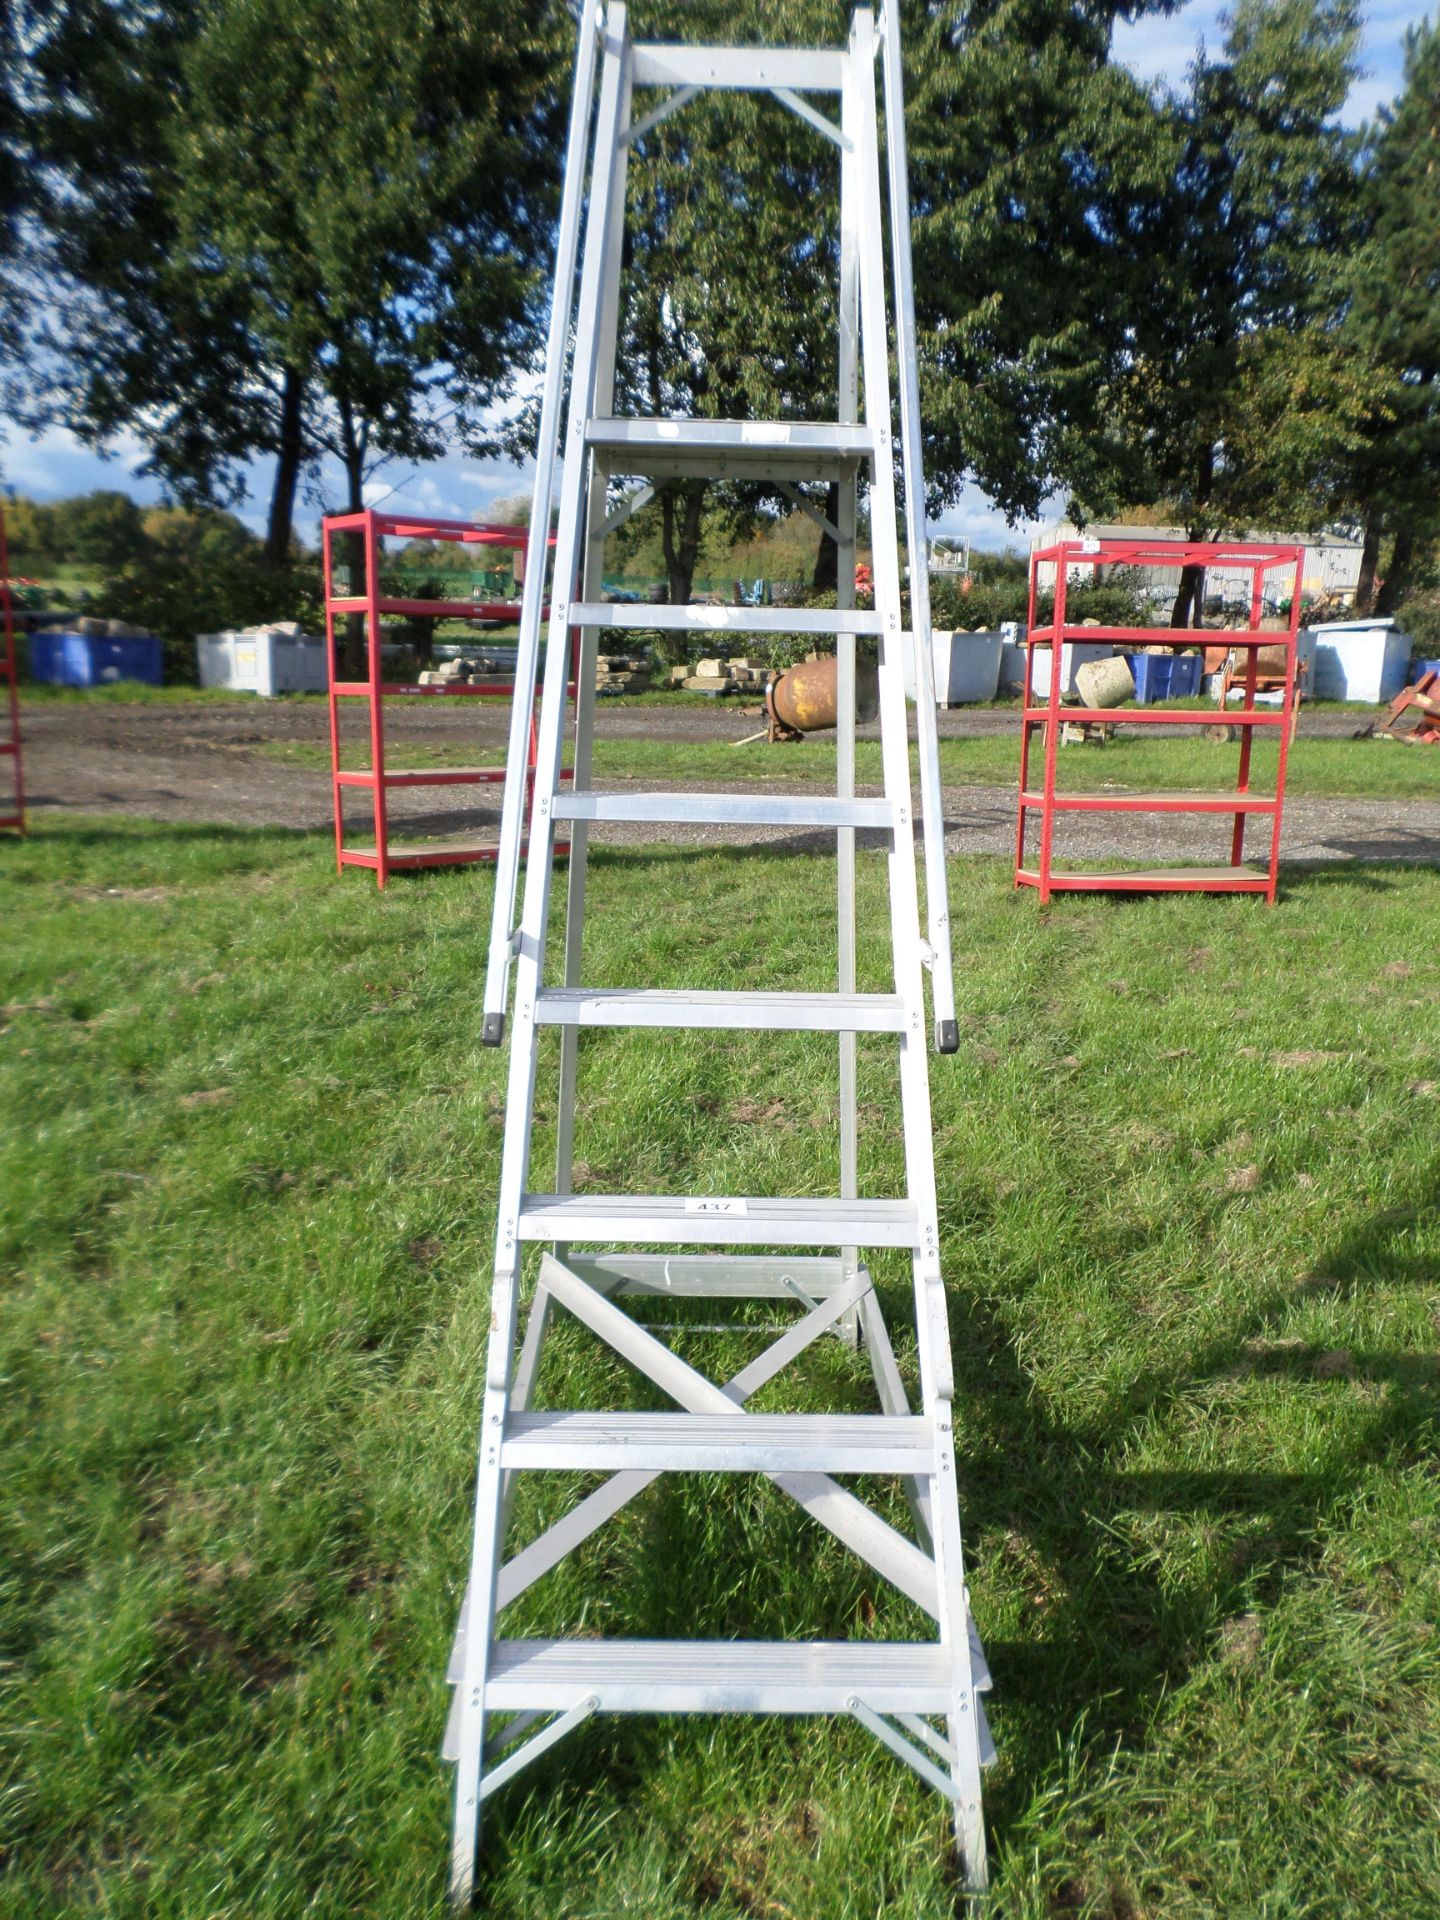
(370, 528)
(1040, 802)
(12, 790)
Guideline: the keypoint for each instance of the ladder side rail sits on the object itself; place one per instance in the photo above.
(847, 411)
(592, 586)
(520, 1093)
(562, 301)
(931, 1320)
(932, 803)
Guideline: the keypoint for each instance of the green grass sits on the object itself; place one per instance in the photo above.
(134, 693)
(1189, 1172)
(1317, 769)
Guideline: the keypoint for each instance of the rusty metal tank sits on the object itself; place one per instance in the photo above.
(806, 698)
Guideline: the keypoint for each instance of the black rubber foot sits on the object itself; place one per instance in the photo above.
(492, 1032)
(947, 1036)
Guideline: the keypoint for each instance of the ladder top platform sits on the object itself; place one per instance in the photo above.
(731, 449)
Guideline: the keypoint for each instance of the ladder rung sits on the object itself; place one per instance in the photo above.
(713, 1276)
(673, 1219)
(725, 809)
(719, 1676)
(642, 615)
(774, 1012)
(720, 1443)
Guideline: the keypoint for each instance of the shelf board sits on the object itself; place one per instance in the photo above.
(1111, 550)
(435, 853)
(487, 689)
(1168, 802)
(1170, 717)
(429, 776)
(420, 776)
(1153, 880)
(1193, 640)
(500, 610)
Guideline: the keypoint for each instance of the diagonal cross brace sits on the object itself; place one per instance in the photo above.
(551, 1547)
(538, 1743)
(899, 1560)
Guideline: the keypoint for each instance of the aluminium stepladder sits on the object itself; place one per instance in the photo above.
(755, 1247)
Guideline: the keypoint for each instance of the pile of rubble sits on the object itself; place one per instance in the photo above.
(460, 673)
(93, 628)
(621, 673)
(722, 676)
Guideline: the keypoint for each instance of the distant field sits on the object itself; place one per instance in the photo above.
(1189, 1173)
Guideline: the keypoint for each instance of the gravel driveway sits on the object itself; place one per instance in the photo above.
(203, 762)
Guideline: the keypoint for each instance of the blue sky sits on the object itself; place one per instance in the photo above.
(461, 487)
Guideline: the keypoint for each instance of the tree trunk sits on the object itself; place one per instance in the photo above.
(1188, 595)
(352, 451)
(1189, 604)
(826, 577)
(1369, 560)
(680, 515)
(290, 458)
(1396, 583)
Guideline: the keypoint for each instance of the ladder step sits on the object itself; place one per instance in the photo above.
(718, 1676)
(721, 1443)
(726, 809)
(643, 616)
(455, 1670)
(673, 1219)
(731, 449)
(746, 1012)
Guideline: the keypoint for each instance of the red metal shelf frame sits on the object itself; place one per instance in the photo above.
(12, 791)
(1040, 802)
(371, 528)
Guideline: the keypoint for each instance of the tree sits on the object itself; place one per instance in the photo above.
(15, 190)
(104, 529)
(296, 228)
(1394, 320)
(1037, 168)
(1241, 401)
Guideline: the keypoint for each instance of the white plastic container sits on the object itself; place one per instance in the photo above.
(1359, 660)
(967, 667)
(263, 660)
(1073, 656)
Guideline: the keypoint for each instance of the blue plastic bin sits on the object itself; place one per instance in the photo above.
(1164, 676)
(1420, 667)
(88, 660)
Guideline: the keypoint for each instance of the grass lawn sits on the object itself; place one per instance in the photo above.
(134, 693)
(1320, 768)
(1189, 1160)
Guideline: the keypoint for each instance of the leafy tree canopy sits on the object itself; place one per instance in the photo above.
(294, 227)
(1394, 318)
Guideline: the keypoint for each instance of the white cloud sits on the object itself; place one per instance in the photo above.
(1162, 49)
(49, 465)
